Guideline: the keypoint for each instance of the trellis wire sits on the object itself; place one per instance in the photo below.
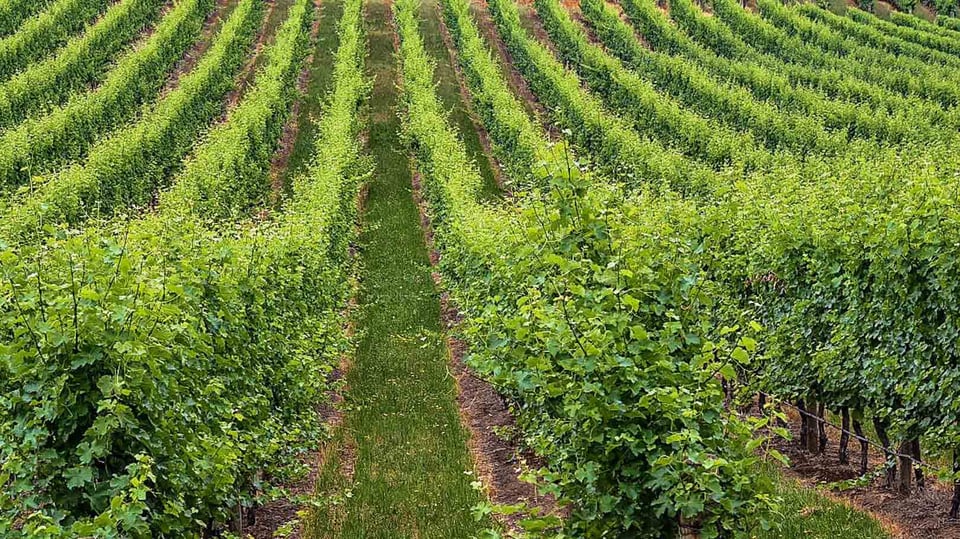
(854, 435)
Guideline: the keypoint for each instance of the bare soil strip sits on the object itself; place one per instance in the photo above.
(264, 34)
(920, 515)
(518, 84)
(291, 130)
(192, 56)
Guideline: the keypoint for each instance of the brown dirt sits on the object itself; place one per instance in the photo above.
(920, 515)
(519, 85)
(276, 513)
(499, 460)
(573, 8)
(247, 72)
(196, 51)
(273, 515)
(925, 12)
(467, 99)
(292, 128)
(532, 22)
(883, 9)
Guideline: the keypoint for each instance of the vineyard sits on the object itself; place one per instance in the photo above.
(479, 269)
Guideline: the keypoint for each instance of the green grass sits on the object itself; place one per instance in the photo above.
(838, 6)
(489, 34)
(269, 31)
(401, 441)
(448, 88)
(311, 103)
(807, 514)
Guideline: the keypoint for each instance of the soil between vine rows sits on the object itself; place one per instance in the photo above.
(920, 515)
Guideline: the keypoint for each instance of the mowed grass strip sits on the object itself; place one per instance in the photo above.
(319, 81)
(402, 468)
(448, 88)
(806, 513)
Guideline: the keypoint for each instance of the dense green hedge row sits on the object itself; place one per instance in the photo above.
(854, 279)
(620, 151)
(923, 25)
(913, 29)
(853, 275)
(784, 32)
(520, 145)
(781, 51)
(902, 73)
(861, 37)
(126, 168)
(561, 312)
(652, 113)
(45, 32)
(14, 12)
(949, 22)
(842, 102)
(866, 29)
(850, 263)
(605, 21)
(852, 155)
(42, 143)
(946, 7)
(227, 175)
(79, 64)
(324, 203)
(201, 386)
(734, 105)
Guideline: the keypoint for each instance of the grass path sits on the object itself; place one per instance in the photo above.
(448, 88)
(320, 75)
(807, 513)
(400, 467)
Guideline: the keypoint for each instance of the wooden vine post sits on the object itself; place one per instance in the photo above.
(906, 468)
(821, 428)
(813, 445)
(805, 426)
(809, 440)
(891, 477)
(918, 456)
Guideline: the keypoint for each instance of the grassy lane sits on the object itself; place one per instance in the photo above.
(276, 15)
(311, 104)
(449, 91)
(401, 468)
(808, 514)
